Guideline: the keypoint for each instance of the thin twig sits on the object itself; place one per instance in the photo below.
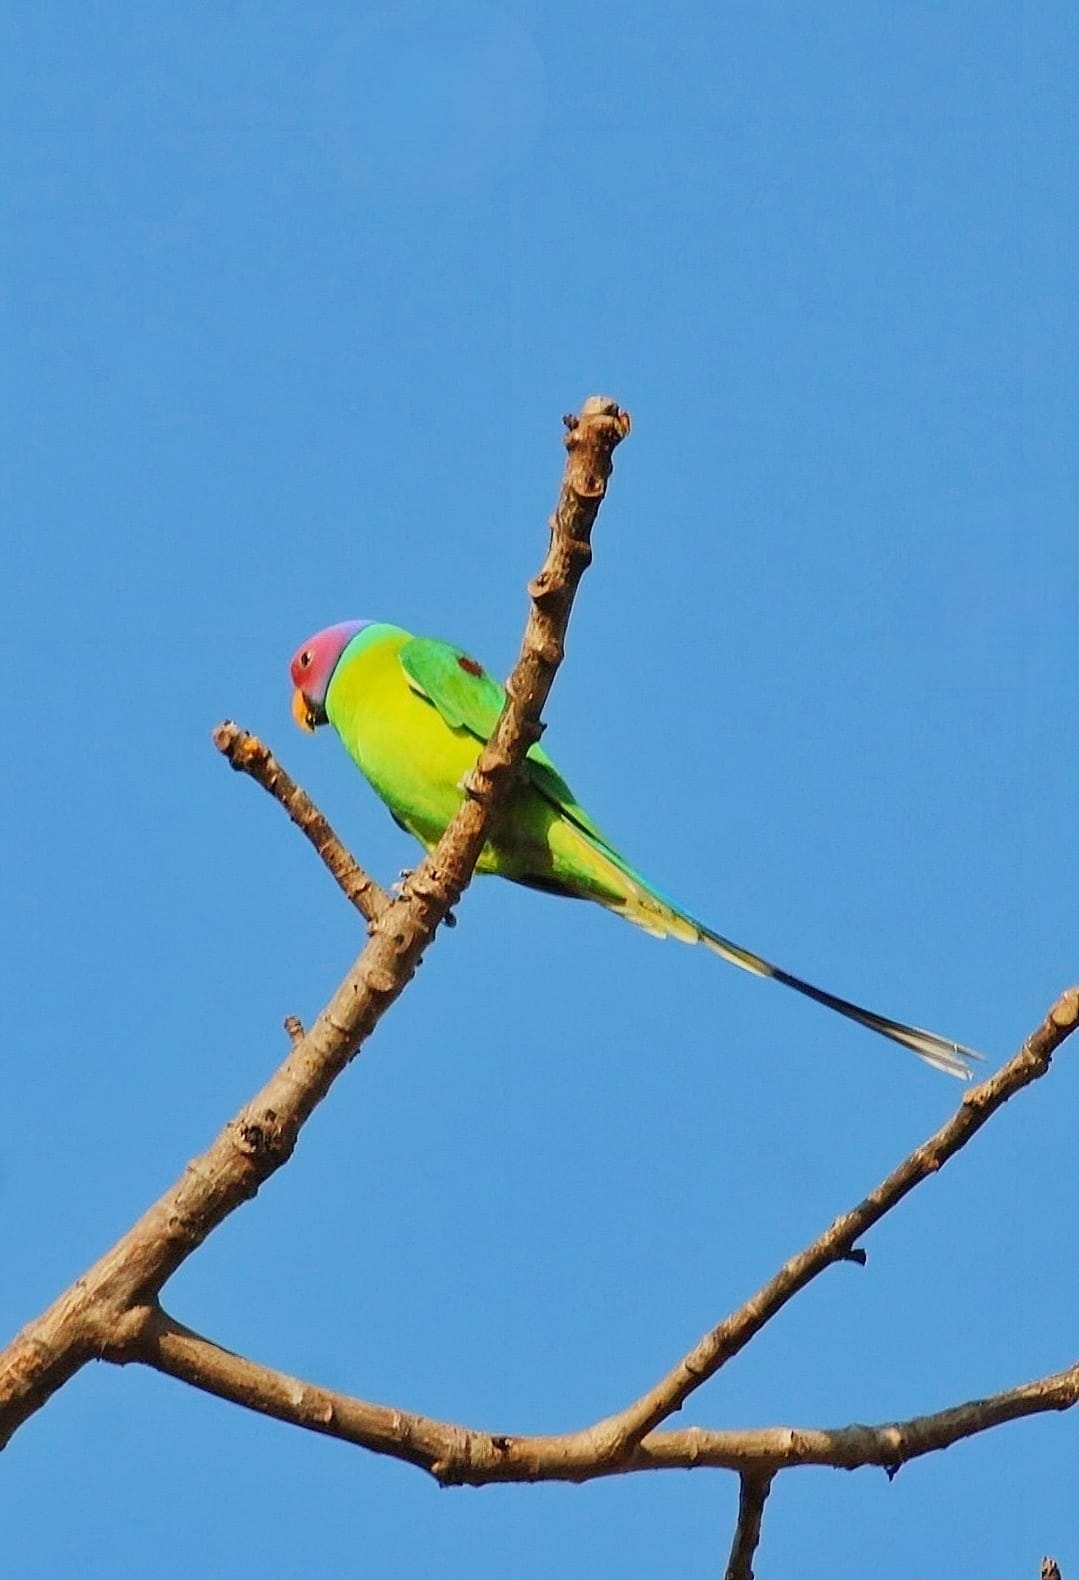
(106, 1312)
(247, 754)
(837, 1242)
(753, 1493)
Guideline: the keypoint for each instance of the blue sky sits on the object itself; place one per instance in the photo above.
(292, 300)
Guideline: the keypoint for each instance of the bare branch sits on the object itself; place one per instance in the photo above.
(114, 1312)
(457, 1454)
(107, 1310)
(753, 1493)
(248, 755)
(590, 440)
(837, 1242)
(169, 1347)
(888, 1445)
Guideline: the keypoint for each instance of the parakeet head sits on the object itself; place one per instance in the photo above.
(312, 670)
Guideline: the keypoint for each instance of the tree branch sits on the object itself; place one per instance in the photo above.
(107, 1310)
(753, 1493)
(837, 1243)
(457, 1454)
(248, 755)
(114, 1310)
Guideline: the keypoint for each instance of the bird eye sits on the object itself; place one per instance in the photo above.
(305, 659)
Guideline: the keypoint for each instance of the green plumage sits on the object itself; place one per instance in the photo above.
(414, 714)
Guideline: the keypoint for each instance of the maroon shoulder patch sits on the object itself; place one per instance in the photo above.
(470, 666)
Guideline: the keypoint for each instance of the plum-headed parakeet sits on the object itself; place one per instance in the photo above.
(414, 714)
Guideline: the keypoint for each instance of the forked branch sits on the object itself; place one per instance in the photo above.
(461, 1455)
(106, 1311)
(838, 1242)
(457, 1454)
(114, 1311)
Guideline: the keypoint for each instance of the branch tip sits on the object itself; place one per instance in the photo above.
(246, 754)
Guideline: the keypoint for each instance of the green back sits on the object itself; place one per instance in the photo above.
(468, 698)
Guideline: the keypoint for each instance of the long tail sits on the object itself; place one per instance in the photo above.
(639, 903)
(940, 1052)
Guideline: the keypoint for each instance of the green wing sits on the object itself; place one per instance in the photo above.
(460, 688)
(469, 699)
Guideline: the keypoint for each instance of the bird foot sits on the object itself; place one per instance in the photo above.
(467, 788)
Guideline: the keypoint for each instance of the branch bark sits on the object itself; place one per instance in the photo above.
(247, 754)
(837, 1243)
(106, 1311)
(457, 1454)
(753, 1493)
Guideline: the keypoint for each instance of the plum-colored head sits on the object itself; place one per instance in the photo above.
(312, 670)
